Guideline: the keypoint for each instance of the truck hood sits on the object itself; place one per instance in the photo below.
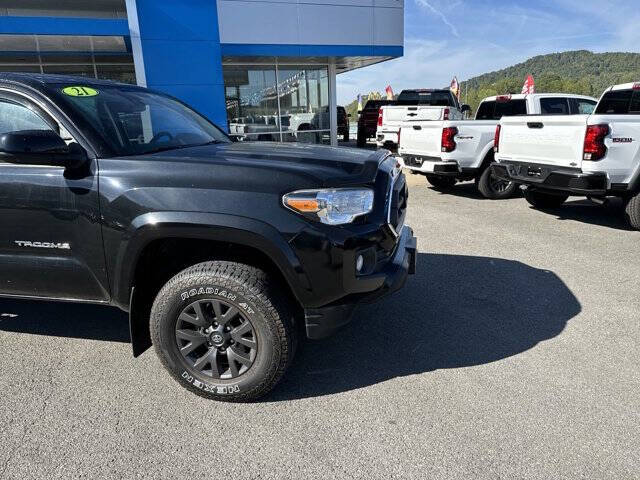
(329, 166)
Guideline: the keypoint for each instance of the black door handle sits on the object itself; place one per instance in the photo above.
(411, 114)
(417, 127)
(535, 125)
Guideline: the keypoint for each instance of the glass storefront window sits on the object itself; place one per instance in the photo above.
(294, 108)
(103, 57)
(252, 103)
(304, 101)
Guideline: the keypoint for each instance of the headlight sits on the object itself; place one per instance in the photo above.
(331, 206)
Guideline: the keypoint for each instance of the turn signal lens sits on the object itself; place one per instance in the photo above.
(303, 205)
(331, 206)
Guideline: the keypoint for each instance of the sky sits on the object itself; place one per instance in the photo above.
(471, 37)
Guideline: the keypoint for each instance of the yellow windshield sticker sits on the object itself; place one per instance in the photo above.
(78, 91)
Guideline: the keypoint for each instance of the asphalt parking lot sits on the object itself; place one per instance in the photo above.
(513, 353)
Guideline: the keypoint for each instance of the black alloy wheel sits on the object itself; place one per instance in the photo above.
(493, 187)
(216, 339)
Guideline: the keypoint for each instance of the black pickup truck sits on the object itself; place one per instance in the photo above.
(219, 251)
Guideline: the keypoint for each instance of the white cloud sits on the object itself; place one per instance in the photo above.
(439, 13)
(490, 38)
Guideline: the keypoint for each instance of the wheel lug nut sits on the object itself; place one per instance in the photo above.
(231, 342)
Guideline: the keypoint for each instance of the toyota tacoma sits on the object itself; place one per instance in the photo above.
(219, 251)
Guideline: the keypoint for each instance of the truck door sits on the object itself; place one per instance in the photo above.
(50, 235)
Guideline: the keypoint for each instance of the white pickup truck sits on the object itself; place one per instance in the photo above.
(420, 104)
(448, 151)
(594, 155)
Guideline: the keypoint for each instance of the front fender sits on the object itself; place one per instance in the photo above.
(243, 231)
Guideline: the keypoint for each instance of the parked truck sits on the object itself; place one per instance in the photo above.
(595, 155)
(459, 150)
(417, 105)
(220, 252)
(368, 120)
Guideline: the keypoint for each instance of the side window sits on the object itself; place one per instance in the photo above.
(15, 117)
(581, 106)
(554, 106)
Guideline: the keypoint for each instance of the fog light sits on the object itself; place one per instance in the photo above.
(359, 263)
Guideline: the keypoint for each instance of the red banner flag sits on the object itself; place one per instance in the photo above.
(389, 91)
(455, 87)
(529, 85)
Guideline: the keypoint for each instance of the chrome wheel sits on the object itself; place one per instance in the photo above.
(216, 339)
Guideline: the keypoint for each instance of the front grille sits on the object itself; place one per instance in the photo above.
(397, 202)
(399, 198)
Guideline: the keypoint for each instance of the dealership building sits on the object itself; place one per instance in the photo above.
(261, 69)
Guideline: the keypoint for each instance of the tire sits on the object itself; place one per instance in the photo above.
(441, 183)
(493, 188)
(345, 137)
(540, 199)
(362, 139)
(632, 212)
(304, 136)
(249, 363)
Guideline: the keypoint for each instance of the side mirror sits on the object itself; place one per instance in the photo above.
(40, 147)
(465, 108)
(349, 115)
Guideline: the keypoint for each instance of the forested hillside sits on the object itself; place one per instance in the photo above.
(581, 72)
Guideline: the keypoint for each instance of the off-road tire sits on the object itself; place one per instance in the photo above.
(632, 212)
(544, 200)
(441, 183)
(486, 185)
(260, 300)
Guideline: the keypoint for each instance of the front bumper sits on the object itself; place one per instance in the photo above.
(391, 277)
(434, 165)
(548, 177)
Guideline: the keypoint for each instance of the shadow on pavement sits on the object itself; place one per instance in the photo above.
(467, 189)
(73, 320)
(609, 215)
(457, 311)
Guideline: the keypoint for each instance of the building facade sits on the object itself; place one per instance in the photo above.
(261, 69)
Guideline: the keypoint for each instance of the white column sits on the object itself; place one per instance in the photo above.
(136, 43)
(333, 104)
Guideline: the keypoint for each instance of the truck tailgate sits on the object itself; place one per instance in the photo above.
(393, 116)
(550, 140)
(423, 113)
(421, 138)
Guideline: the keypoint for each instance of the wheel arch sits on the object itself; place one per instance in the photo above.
(205, 237)
(487, 156)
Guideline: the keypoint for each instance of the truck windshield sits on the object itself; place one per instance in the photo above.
(133, 121)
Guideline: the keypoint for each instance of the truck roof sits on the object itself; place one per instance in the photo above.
(622, 86)
(522, 96)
